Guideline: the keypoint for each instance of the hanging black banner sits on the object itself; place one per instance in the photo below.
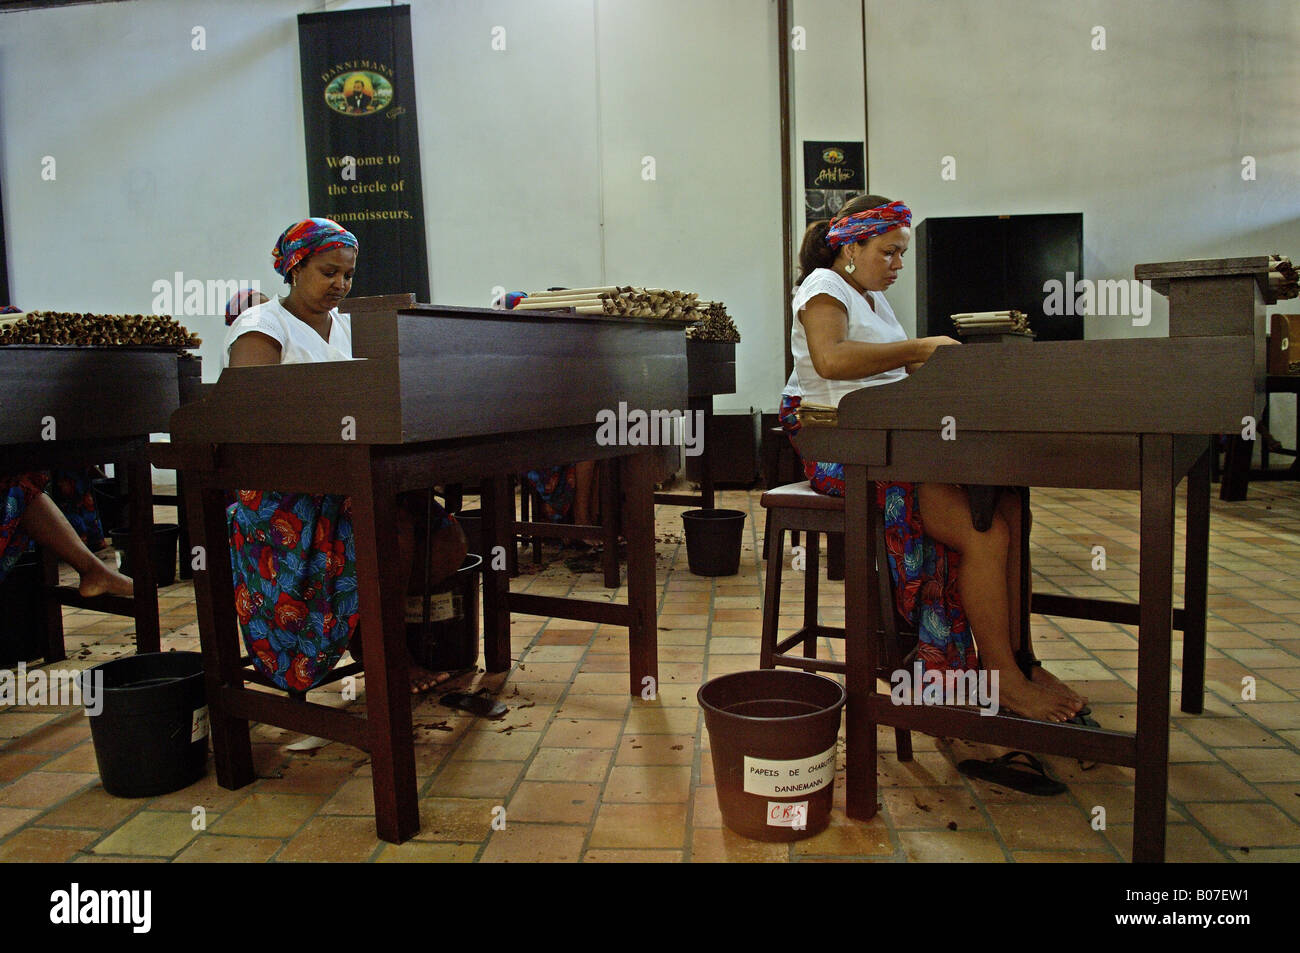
(833, 173)
(363, 144)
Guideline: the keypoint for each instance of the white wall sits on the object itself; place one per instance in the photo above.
(171, 159)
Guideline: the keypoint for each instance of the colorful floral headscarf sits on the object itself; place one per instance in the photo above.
(868, 224)
(305, 239)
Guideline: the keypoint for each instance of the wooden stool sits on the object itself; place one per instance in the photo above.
(797, 507)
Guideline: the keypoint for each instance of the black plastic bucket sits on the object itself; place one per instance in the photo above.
(450, 639)
(471, 524)
(22, 633)
(162, 550)
(112, 506)
(713, 541)
(773, 735)
(151, 733)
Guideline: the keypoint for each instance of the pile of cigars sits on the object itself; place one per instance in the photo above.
(991, 322)
(1282, 278)
(95, 330)
(709, 319)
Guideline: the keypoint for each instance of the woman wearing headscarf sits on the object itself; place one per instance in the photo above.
(959, 587)
(293, 554)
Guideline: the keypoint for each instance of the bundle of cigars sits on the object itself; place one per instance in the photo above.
(714, 324)
(1282, 278)
(1010, 321)
(95, 330)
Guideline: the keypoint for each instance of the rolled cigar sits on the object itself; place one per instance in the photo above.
(576, 292)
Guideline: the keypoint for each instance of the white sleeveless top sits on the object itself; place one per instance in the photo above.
(299, 344)
(875, 327)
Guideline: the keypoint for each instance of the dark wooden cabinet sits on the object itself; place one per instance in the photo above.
(993, 262)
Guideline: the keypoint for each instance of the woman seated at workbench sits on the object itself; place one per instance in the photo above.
(950, 581)
(292, 553)
(28, 515)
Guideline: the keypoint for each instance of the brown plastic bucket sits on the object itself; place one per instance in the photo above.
(773, 735)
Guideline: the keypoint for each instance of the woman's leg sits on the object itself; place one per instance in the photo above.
(1010, 510)
(44, 523)
(983, 578)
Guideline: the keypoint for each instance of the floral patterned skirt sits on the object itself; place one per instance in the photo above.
(295, 572)
(924, 571)
(557, 487)
(16, 492)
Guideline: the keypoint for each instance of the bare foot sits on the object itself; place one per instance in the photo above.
(1034, 701)
(98, 579)
(424, 680)
(1045, 679)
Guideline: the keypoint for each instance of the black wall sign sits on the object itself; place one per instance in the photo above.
(832, 174)
(363, 145)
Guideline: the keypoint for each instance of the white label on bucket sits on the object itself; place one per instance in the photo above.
(442, 606)
(789, 778)
(787, 814)
(199, 724)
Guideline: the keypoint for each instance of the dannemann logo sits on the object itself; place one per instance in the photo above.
(833, 156)
(358, 87)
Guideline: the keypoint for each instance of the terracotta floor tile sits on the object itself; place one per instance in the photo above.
(599, 684)
(651, 718)
(582, 733)
(535, 843)
(931, 808)
(1230, 733)
(211, 848)
(724, 846)
(632, 857)
(43, 789)
(951, 847)
(1064, 857)
(845, 836)
(1044, 826)
(1263, 764)
(268, 815)
(467, 820)
(569, 764)
(1183, 844)
(45, 846)
(333, 839)
(477, 779)
(92, 808)
(14, 766)
(1247, 825)
(639, 825)
(313, 776)
(52, 733)
(150, 834)
(12, 818)
(546, 671)
(555, 802)
(1208, 782)
(706, 811)
(643, 783)
(656, 749)
(496, 746)
(420, 852)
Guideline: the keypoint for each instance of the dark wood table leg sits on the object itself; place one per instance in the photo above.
(861, 622)
(140, 489)
(1235, 479)
(1195, 585)
(607, 471)
(497, 503)
(214, 596)
(1154, 636)
(381, 594)
(186, 568)
(51, 606)
(639, 527)
(706, 459)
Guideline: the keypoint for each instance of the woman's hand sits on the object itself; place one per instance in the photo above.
(927, 346)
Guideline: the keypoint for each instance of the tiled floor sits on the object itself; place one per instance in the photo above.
(586, 773)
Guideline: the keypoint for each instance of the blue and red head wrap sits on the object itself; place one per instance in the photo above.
(868, 224)
(244, 299)
(299, 242)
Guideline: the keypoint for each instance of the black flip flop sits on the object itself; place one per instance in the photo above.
(1031, 778)
(480, 703)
